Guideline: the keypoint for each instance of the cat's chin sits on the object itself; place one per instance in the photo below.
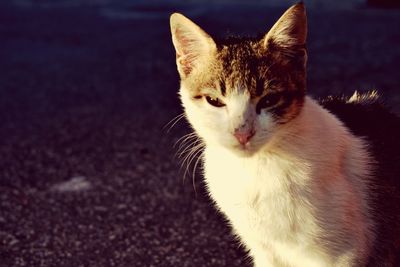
(243, 151)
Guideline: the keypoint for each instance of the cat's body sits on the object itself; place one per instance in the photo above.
(296, 185)
(283, 202)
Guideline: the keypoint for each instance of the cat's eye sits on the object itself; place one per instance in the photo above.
(268, 101)
(214, 101)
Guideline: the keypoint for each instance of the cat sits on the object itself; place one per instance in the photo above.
(297, 186)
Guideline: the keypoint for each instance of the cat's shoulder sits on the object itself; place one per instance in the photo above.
(367, 116)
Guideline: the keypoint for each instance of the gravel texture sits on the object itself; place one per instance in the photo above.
(89, 174)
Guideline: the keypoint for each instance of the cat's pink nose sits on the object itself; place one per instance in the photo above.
(243, 137)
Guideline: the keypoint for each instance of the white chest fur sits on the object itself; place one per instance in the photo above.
(266, 210)
(252, 191)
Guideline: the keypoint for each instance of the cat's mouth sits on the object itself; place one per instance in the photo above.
(245, 150)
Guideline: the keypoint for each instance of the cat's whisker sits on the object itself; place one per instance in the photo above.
(189, 153)
(199, 150)
(194, 170)
(173, 122)
(184, 139)
(192, 153)
(188, 160)
(184, 147)
(196, 154)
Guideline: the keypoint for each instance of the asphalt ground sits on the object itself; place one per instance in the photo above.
(89, 174)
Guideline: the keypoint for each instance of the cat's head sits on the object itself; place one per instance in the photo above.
(239, 92)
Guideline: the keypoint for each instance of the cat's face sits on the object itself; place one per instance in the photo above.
(238, 93)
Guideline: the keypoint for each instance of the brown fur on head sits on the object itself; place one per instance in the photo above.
(271, 67)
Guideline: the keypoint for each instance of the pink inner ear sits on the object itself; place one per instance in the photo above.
(184, 54)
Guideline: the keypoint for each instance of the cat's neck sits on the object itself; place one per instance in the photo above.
(314, 134)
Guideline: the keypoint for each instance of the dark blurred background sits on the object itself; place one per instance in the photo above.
(88, 172)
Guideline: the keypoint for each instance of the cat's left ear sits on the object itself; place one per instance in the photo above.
(290, 31)
(193, 46)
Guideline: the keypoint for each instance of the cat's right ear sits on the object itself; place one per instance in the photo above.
(290, 31)
(193, 46)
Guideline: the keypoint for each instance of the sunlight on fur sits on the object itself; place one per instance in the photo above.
(291, 179)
